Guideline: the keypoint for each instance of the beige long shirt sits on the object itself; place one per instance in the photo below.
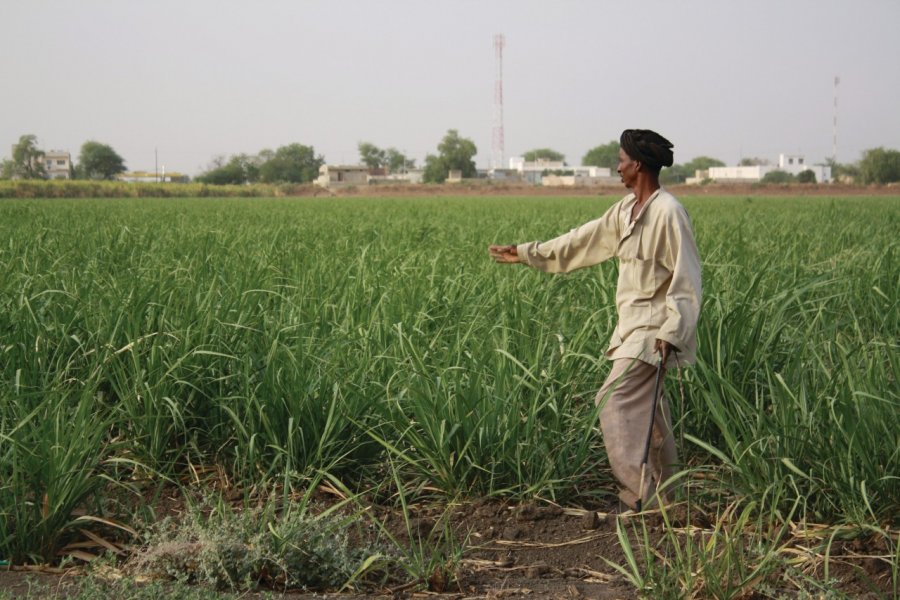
(659, 287)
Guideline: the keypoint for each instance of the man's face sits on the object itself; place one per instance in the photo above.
(627, 169)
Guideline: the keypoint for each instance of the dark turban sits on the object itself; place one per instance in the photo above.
(648, 147)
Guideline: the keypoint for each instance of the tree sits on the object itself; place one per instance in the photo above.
(7, 168)
(250, 165)
(375, 158)
(807, 176)
(294, 163)
(843, 173)
(680, 173)
(27, 159)
(435, 172)
(454, 154)
(753, 162)
(702, 163)
(371, 155)
(398, 162)
(777, 176)
(544, 154)
(879, 165)
(265, 155)
(99, 161)
(674, 174)
(606, 155)
(233, 172)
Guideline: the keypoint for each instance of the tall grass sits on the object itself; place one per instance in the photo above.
(800, 371)
(278, 338)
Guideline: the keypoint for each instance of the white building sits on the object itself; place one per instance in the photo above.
(513, 175)
(331, 176)
(412, 176)
(789, 163)
(57, 164)
(534, 171)
(153, 177)
(574, 180)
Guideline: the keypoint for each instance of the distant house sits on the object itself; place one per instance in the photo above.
(153, 177)
(407, 176)
(415, 175)
(58, 164)
(331, 176)
(505, 175)
(535, 171)
(789, 163)
(574, 180)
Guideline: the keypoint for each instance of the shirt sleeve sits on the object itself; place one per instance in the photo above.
(684, 296)
(590, 244)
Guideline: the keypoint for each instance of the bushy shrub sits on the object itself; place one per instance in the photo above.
(777, 176)
(246, 549)
(807, 176)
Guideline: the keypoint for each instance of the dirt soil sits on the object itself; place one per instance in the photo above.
(541, 550)
(518, 551)
(528, 550)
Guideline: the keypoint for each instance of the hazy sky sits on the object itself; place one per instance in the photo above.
(200, 78)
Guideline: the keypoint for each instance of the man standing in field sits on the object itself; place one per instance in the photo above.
(657, 300)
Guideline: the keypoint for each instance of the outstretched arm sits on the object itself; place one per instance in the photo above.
(592, 243)
(504, 254)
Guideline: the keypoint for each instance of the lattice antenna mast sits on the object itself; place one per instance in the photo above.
(837, 81)
(497, 144)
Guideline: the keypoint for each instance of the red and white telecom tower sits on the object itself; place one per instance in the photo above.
(497, 149)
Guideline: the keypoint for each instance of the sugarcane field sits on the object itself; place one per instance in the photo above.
(267, 397)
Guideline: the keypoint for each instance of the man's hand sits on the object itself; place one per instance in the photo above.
(504, 254)
(663, 348)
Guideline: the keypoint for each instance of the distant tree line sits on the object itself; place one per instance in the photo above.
(297, 163)
(294, 163)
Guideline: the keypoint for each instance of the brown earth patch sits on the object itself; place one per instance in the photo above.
(500, 549)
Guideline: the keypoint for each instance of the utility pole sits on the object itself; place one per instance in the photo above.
(497, 145)
(837, 81)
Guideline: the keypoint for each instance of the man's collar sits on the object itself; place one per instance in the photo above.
(631, 199)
